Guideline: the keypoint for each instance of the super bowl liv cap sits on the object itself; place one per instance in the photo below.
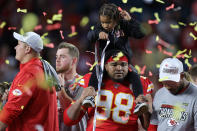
(170, 69)
(32, 39)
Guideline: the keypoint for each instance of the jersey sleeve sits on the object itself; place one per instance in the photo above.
(70, 122)
(195, 115)
(148, 86)
(19, 96)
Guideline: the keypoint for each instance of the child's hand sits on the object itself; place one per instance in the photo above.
(103, 36)
(125, 15)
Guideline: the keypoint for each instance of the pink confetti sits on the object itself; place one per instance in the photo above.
(61, 32)
(148, 52)
(120, 9)
(167, 53)
(53, 27)
(159, 48)
(60, 11)
(180, 56)
(150, 73)
(170, 7)
(38, 27)
(164, 43)
(194, 59)
(50, 45)
(153, 22)
(90, 52)
(44, 13)
(11, 28)
(72, 28)
(143, 70)
(87, 63)
(125, 118)
(130, 69)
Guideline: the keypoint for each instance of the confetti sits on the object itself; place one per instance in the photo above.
(60, 11)
(148, 52)
(170, 7)
(92, 27)
(44, 35)
(84, 21)
(150, 73)
(49, 45)
(44, 13)
(11, 28)
(125, 118)
(143, 70)
(187, 63)
(159, 48)
(87, 63)
(22, 32)
(49, 21)
(164, 43)
(153, 22)
(72, 34)
(137, 68)
(195, 59)
(124, 1)
(192, 23)
(167, 53)
(7, 62)
(22, 10)
(187, 56)
(179, 52)
(177, 9)
(193, 36)
(181, 23)
(38, 27)
(57, 17)
(134, 9)
(120, 54)
(157, 16)
(3, 24)
(53, 27)
(61, 33)
(22, 107)
(174, 26)
(195, 28)
(120, 9)
(157, 65)
(95, 63)
(160, 1)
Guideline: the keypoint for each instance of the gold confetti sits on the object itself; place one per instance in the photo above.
(95, 63)
(157, 16)
(179, 52)
(195, 28)
(192, 24)
(84, 21)
(157, 65)
(160, 1)
(72, 34)
(49, 21)
(174, 26)
(137, 68)
(57, 17)
(187, 63)
(134, 9)
(124, 1)
(120, 54)
(22, 107)
(181, 23)
(7, 62)
(44, 35)
(92, 27)
(22, 32)
(157, 38)
(193, 36)
(3, 24)
(22, 10)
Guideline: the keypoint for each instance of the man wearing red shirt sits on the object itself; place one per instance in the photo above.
(32, 103)
(116, 99)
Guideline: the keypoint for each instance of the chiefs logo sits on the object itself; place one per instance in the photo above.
(172, 122)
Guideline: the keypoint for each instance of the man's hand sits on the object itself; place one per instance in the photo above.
(61, 79)
(89, 91)
(125, 15)
(103, 36)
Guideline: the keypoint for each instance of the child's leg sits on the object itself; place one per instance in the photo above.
(93, 79)
(134, 78)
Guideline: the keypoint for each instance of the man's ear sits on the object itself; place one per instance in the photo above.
(27, 49)
(75, 60)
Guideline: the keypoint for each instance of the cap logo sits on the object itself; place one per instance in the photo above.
(170, 71)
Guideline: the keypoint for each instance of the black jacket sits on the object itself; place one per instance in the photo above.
(118, 37)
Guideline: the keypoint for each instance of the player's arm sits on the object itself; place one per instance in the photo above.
(75, 111)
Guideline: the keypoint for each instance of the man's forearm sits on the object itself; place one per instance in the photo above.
(74, 110)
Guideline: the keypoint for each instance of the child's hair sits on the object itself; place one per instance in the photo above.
(110, 10)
